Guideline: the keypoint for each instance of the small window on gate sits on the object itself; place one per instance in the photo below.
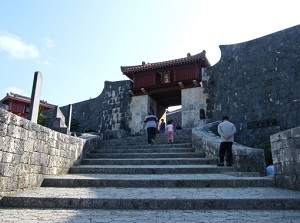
(164, 77)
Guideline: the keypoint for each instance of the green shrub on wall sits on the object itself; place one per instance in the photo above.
(42, 118)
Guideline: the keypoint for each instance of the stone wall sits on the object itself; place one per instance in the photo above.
(29, 151)
(56, 120)
(256, 83)
(245, 159)
(176, 116)
(107, 112)
(286, 158)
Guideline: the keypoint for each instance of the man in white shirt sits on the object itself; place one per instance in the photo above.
(226, 130)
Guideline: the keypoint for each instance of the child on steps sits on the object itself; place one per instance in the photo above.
(170, 132)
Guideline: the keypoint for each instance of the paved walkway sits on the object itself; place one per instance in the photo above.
(162, 193)
(169, 216)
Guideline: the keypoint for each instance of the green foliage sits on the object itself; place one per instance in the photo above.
(42, 118)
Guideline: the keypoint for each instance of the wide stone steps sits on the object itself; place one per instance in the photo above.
(150, 161)
(250, 198)
(155, 180)
(147, 149)
(159, 139)
(180, 136)
(149, 169)
(143, 155)
(130, 174)
(119, 151)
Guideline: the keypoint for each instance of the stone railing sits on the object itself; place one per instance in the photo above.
(29, 152)
(285, 148)
(245, 159)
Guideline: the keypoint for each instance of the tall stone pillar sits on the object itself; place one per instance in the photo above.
(69, 117)
(35, 97)
(193, 101)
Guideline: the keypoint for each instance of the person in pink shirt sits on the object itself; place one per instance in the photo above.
(170, 132)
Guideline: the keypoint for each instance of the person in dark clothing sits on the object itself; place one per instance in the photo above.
(162, 127)
(150, 123)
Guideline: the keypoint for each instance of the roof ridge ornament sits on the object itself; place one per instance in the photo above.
(201, 57)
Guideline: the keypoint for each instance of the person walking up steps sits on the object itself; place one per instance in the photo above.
(150, 123)
(170, 132)
(162, 126)
(226, 130)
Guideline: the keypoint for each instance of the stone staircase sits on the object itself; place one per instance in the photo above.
(130, 174)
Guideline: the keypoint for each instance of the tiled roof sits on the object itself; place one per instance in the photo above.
(151, 66)
(19, 97)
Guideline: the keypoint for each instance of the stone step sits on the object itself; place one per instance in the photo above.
(248, 198)
(146, 146)
(143, 155)
(143, 138)
(117, 143)
(152, 169)
(144, 150)
(155, 180)
(144, 161)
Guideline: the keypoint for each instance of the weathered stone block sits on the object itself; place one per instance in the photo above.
(4, 116)
(16, 159)
(296, 143)
(14, 131)
(7, 157)
(32, 134)
(295, 132)
(3, 129)
(7, 170)
(35, 158)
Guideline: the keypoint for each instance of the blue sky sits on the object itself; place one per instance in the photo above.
(79, 44)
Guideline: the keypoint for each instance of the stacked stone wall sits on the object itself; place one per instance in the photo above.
(256, 83)
(107, 112)
(29, 151)
(286, 158)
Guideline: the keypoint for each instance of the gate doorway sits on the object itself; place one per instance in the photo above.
(157, 86)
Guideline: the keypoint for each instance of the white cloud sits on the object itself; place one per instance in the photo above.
(17, 48)
(47, 63)
(15, 90)
(49, 43)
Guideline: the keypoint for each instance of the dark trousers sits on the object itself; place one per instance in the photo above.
(225, 148)
(151, 131)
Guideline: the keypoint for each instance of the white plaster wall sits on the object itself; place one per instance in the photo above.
(139, 108)
(192, 100)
